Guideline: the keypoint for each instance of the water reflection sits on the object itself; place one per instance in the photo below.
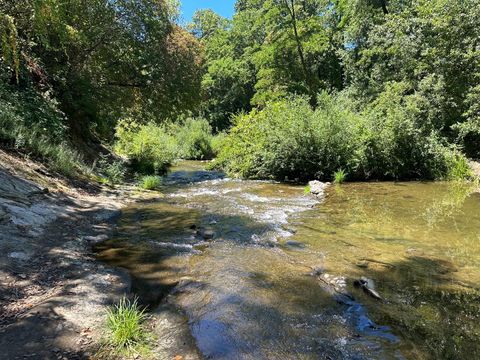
(420, 242)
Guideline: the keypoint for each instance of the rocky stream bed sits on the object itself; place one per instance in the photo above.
(232, 269)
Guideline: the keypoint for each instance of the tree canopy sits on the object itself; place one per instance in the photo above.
(102, 59)
(272, 48)
(96, 64)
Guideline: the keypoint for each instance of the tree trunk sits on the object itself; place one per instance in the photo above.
(293, 16)
(384, 6)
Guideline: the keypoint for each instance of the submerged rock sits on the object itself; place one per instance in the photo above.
(339, 283)
(3, 214)
(201, 246)
(108, 215)
(317, 271)
(43, 191)
(205, 234)
(363, 264)
(208, 234)
(96, 239)
(368, 287)
(295, 244)
(19, 255)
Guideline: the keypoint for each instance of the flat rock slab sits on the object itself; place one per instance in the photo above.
(172, 330)
(51, 289)
(14, 187)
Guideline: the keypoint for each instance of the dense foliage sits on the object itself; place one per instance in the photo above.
(373, 88)
(408, 69)
(110, 57)
(91, 63)
(194, 139)
(33, 124)
(152, 148)
(288, 140)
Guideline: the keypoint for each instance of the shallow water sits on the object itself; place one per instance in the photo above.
(250, 291)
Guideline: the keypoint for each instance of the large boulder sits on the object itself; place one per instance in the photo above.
(317, 188)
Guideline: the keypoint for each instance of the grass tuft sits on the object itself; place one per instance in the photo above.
(150, 182)
(339, 176)
(126, 333)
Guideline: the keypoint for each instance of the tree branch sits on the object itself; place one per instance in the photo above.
(120, 84)
(293, 17)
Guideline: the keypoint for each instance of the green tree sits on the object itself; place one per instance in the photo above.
(102, 59)
(227, 84)
(432, 48)
(299, 53)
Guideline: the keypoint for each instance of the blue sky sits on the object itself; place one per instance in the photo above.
(223, 7)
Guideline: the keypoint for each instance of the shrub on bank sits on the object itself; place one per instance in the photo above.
(33, 125)
(218, 141)
(126, 334)
(289, 140)
(194, 139)
(112, 171)
(150, 147)
(399, 143)
(339, 177)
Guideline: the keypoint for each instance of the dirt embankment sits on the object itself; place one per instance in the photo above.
(53, 294)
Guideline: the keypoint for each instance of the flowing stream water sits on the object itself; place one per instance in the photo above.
(264, 271)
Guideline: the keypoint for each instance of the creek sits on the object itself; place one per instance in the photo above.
(264, 271)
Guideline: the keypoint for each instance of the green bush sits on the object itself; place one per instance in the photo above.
(458, 167)
(113, 171)
(385, 140)
(64, 159)
(33, 125)
(150, 182)
(194, 139)
(150, 147)
(218, 141)
(398, 144)
(289, 140)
